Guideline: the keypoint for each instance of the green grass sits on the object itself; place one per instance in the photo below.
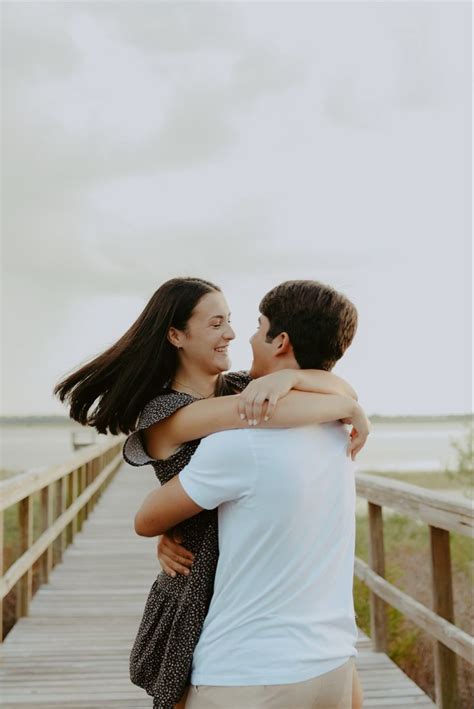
(407, 555)
(431, 480)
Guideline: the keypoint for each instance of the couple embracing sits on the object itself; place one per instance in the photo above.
(254, 606)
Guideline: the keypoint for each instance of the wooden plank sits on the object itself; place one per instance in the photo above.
(26, 560)
(20, 486)
(456, 639)
(47, 520)
(447, 695)
(378, 611)
(72, 651)
(24, 590)
(417, 502)
(2, 566)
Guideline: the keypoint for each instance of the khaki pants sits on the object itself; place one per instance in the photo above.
(332, 690)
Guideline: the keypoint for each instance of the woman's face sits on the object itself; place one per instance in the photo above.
(207, 336)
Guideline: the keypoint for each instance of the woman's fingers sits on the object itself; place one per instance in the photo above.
(173, 564)
(356, 443)
(271, 403)
(258, 403)
(171, 568)
(167, 546)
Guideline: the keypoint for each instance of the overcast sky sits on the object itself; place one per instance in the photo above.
(246, 143)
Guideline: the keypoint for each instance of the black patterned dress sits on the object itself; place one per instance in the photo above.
(162, 654)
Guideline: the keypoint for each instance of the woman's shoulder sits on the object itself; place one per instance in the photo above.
(238, 380)
(162, 406)
(157, 409)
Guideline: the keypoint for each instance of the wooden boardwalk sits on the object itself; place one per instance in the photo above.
(72, 650)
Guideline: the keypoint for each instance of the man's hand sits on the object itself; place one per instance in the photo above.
(174, 558)
(360, 430)
(260, 397)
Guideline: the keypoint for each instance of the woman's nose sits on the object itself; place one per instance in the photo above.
(230, 334)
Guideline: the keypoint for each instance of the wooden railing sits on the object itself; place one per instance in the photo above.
(68, 492)
(442, 516)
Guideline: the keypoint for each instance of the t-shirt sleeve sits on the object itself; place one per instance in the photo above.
(221, 470)
(238, 380)
(156, 410)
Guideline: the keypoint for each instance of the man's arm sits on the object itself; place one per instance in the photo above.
(164, 508)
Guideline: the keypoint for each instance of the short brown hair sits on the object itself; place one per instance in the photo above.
(320, 322)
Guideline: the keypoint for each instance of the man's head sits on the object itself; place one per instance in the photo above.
(303, 324)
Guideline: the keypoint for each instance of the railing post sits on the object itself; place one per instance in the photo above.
(446, 684)
(47, 521)
(378, 613)
(74, 490)
(25, 584)
(2, 556)
(62, 509)
(82, 487)
(88, 482)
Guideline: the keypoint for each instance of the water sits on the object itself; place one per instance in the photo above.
(35, 447)
(404, 447)
(411, 447)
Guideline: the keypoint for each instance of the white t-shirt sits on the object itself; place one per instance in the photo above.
(282, 609)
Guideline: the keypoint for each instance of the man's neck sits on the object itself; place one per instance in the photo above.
(280, 363)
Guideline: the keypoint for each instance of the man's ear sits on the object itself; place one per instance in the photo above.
(282, 344)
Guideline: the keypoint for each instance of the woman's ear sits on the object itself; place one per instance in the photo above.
(174, 337)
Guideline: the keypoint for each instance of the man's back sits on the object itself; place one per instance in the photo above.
(282, 609)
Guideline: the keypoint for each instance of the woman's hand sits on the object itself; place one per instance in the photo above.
(360, 430)
(173, 557)
(259, 398)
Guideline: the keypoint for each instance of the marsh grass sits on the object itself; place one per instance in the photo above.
(408, 567)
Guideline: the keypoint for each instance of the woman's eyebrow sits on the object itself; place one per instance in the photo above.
(220, 317)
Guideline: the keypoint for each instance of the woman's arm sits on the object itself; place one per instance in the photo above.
(261, 395)
(207, 416)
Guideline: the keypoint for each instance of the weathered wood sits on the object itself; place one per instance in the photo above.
(24, 590)
(26, 560)
(81, 517)
(20, 486)
(89, 477)
(456, 639)
(73, 650)
(447, 693)
(62, 504)
(378, 611)
(47, 521)
(418, 503)
(2, 566)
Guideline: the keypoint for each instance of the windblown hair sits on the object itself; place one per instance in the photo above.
(138, 366)
(320, 322)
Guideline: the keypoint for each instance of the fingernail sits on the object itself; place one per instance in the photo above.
(266, 418)
(242, 416)
(187, 573)
(173, 574)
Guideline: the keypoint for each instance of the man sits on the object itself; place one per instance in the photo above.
(280, 631)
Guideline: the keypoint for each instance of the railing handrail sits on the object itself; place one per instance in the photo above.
(416, 502)
(442, 516)
(66, 495)
(18, 487)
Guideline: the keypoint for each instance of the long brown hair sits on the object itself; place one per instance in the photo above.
(138, 366)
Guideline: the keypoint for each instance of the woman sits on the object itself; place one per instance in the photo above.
(166, 372)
